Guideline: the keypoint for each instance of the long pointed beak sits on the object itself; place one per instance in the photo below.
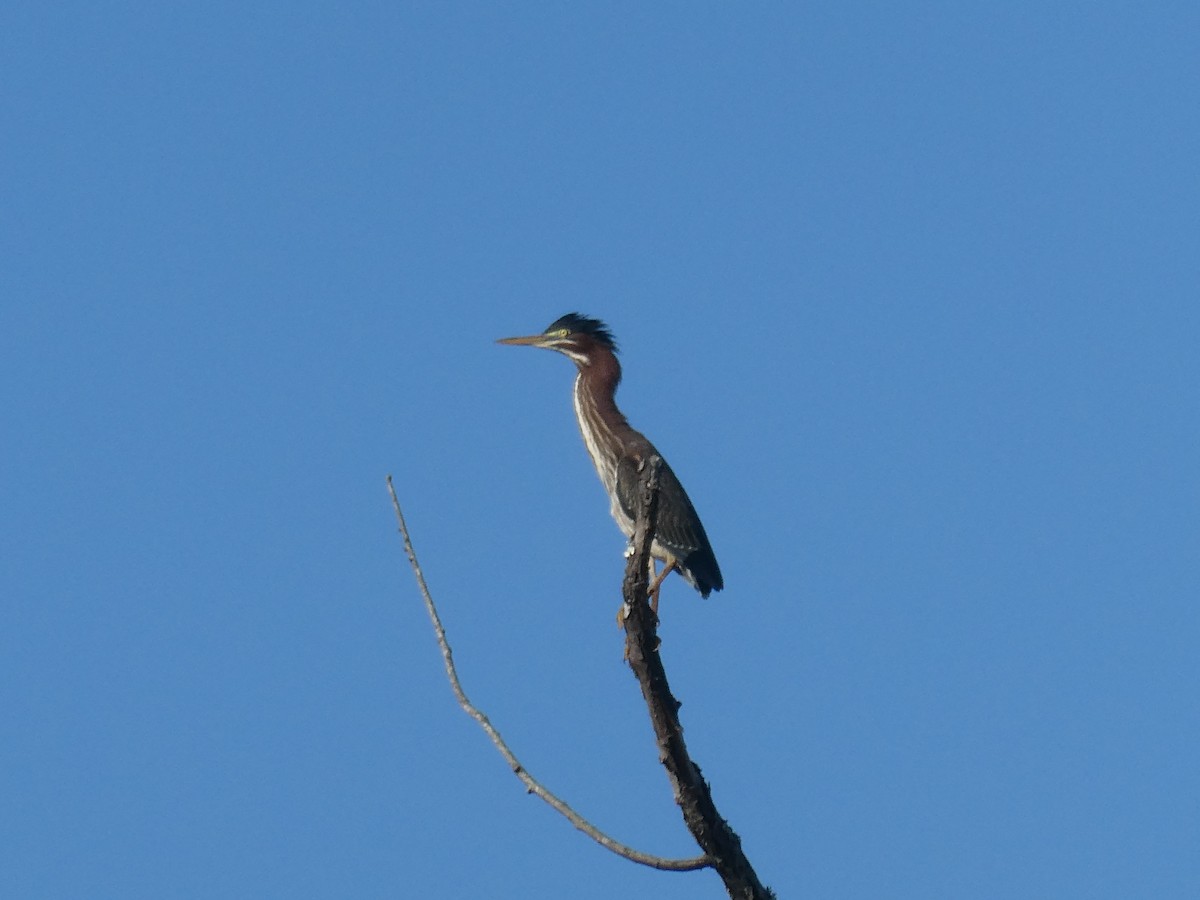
(533, 340)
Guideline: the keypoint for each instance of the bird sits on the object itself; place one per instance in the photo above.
(619, 452)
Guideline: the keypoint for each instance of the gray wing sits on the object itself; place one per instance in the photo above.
(678, 527)
(627, 486)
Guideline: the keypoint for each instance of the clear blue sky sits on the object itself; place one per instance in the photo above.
(908, 296)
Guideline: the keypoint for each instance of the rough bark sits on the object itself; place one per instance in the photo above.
(718, 841)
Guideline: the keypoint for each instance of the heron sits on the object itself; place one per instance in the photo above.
(619, 452)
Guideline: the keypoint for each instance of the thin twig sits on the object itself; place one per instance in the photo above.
(531, 784)
(718, 841)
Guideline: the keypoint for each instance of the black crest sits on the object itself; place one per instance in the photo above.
(578, 324)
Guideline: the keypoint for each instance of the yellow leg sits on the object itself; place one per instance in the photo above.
(656, 584)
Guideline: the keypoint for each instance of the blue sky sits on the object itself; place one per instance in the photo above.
(906, 294)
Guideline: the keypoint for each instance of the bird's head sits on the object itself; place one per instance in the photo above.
(576, 336)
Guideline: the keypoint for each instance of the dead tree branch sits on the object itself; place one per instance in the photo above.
(718, 841)
(532, 785)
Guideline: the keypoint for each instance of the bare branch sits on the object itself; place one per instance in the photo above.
(531, 784)
(712, 833)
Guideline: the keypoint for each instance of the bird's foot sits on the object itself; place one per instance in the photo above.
(629, 551)
(656, 586)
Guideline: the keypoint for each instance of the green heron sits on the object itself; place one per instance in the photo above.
(619, 452)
